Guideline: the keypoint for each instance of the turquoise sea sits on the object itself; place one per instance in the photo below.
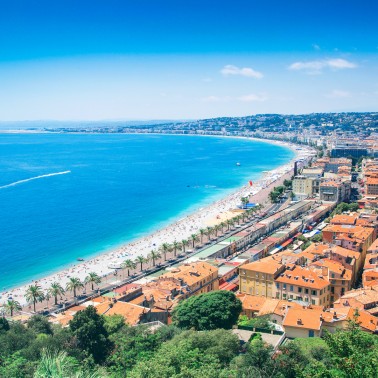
(64, 196)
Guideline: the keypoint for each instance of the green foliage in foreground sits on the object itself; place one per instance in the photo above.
(94, 346)
(217, 309)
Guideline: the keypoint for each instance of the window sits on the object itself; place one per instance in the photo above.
(314, 292)
(284, 286)
(306, 291)
(291, 288)
(313, 301)
(277, 285)
(299, 290)
(311, 333)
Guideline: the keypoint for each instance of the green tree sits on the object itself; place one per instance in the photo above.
(14, 366)
(176, 245)
(113, 323)
(141, 260)
(39, 324)
(4, 324)
(217, 309)
(244, 201)
(194, 238)
(190, 355)
(60, 365)
(89, 328)
(93, 278)
(56, 290)
(184, 244)
(74, 284)
(354, 352)
(165, 249)
(129, 265)
(11, 306)
(34, 294)
(202, 232)
(154, 255)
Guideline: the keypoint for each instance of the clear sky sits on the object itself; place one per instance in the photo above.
(185, 59)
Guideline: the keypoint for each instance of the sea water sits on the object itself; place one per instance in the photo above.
(65, 196)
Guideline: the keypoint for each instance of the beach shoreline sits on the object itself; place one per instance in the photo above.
(178, 230)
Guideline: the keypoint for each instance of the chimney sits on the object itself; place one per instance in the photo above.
(299, 322)
(334, 315)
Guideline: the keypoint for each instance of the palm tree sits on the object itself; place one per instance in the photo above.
(244, 201)
(223, 225)
(184, 243)
(93, 278)
(202, 232)
(128, 264)
(73, 284)
(175, 245)
(55, 290)
(141, 260)
(154, 255)
(34, 294)
(230, 222)
(209, 231)
(165, 248)
(194, 238)
(217, 228)
(57, 364)
(11, 306)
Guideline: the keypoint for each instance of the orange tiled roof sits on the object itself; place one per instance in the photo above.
(304, 277)
(192, 273)
(132, 313)
(317, 249)
(268, 266)
(335, 267)
(372, 181)
(344, 219)
(303, 318)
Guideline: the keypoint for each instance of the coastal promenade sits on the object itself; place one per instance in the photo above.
(119, 277)
(178, 231)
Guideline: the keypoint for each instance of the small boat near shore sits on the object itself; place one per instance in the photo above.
(238, 164)
(80, 259)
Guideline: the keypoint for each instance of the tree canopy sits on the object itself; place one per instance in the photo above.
(217, 309)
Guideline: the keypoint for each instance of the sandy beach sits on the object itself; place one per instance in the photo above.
(179, 230)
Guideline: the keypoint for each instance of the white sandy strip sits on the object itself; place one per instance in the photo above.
(179, 230)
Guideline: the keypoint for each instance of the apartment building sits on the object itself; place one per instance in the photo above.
(335, 191)
(340, 278)
(371, 186)
(303, 284)
(257, 278)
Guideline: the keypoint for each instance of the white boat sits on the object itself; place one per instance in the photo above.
(238, 164)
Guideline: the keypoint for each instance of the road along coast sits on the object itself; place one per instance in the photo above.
(183, 228)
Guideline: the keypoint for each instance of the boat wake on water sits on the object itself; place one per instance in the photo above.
(34, 178)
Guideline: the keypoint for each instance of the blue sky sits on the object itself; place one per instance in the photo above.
(123, 59)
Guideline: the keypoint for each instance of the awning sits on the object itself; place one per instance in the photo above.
(287, 242)
(297, 234)
(231, 287)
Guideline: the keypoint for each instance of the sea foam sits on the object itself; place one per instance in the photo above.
(34, 178)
